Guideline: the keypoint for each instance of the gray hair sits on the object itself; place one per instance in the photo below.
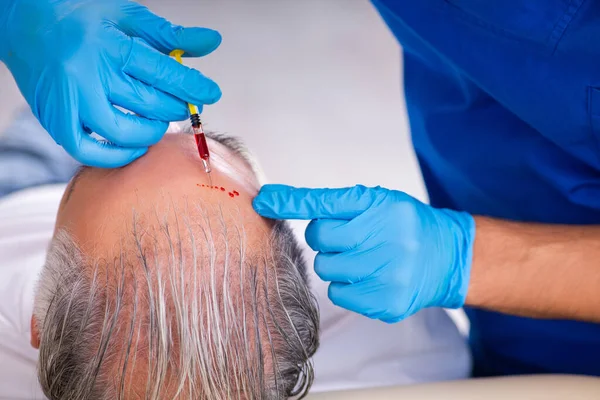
(191, 336)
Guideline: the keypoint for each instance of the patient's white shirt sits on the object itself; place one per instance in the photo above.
(355, 352)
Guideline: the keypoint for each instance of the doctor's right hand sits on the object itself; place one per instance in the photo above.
(386, 254)
(74, 60)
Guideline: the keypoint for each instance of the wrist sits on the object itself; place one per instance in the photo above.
(500, 249)
(462, 231)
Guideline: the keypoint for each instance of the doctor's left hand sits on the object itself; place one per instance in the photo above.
(386, 254)
(74, 60)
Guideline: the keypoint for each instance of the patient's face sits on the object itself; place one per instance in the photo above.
(98, 206)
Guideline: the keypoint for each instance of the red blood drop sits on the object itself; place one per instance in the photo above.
(235, 192)
(231, 194)
(222, 189)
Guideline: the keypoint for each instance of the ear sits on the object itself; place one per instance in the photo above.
(35, 334)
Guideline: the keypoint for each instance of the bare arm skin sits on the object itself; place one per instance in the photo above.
(536, 270)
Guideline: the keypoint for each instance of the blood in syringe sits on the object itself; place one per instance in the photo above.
(202, 146)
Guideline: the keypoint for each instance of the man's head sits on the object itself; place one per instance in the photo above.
(161, 283)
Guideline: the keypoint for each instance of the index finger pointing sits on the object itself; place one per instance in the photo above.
(288, 202)
(164, 36)
(164, 73)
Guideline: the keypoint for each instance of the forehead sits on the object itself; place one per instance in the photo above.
(99, 204)
(229, 156)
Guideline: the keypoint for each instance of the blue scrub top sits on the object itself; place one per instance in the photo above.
(504, 105)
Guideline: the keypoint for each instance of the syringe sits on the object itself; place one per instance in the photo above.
(200, 138)
(196, 125)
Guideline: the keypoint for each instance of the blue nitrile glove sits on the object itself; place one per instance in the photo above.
(386, 254)
(74, 59)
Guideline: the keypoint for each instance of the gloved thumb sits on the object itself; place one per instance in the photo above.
(139, 21)
(288, 202)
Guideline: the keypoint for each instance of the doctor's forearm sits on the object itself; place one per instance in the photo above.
(536, 270)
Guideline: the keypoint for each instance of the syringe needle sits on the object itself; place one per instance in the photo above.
(210, 182)
(206, 164)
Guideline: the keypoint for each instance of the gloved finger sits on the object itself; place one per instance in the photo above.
(348, 267)
(123, 130)
(64, 121)
(166, 74)
(288, 202)
(333, 235)
(147, 101)
(165, 37)
(346, 295)
(363, 298)
(89, 151)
